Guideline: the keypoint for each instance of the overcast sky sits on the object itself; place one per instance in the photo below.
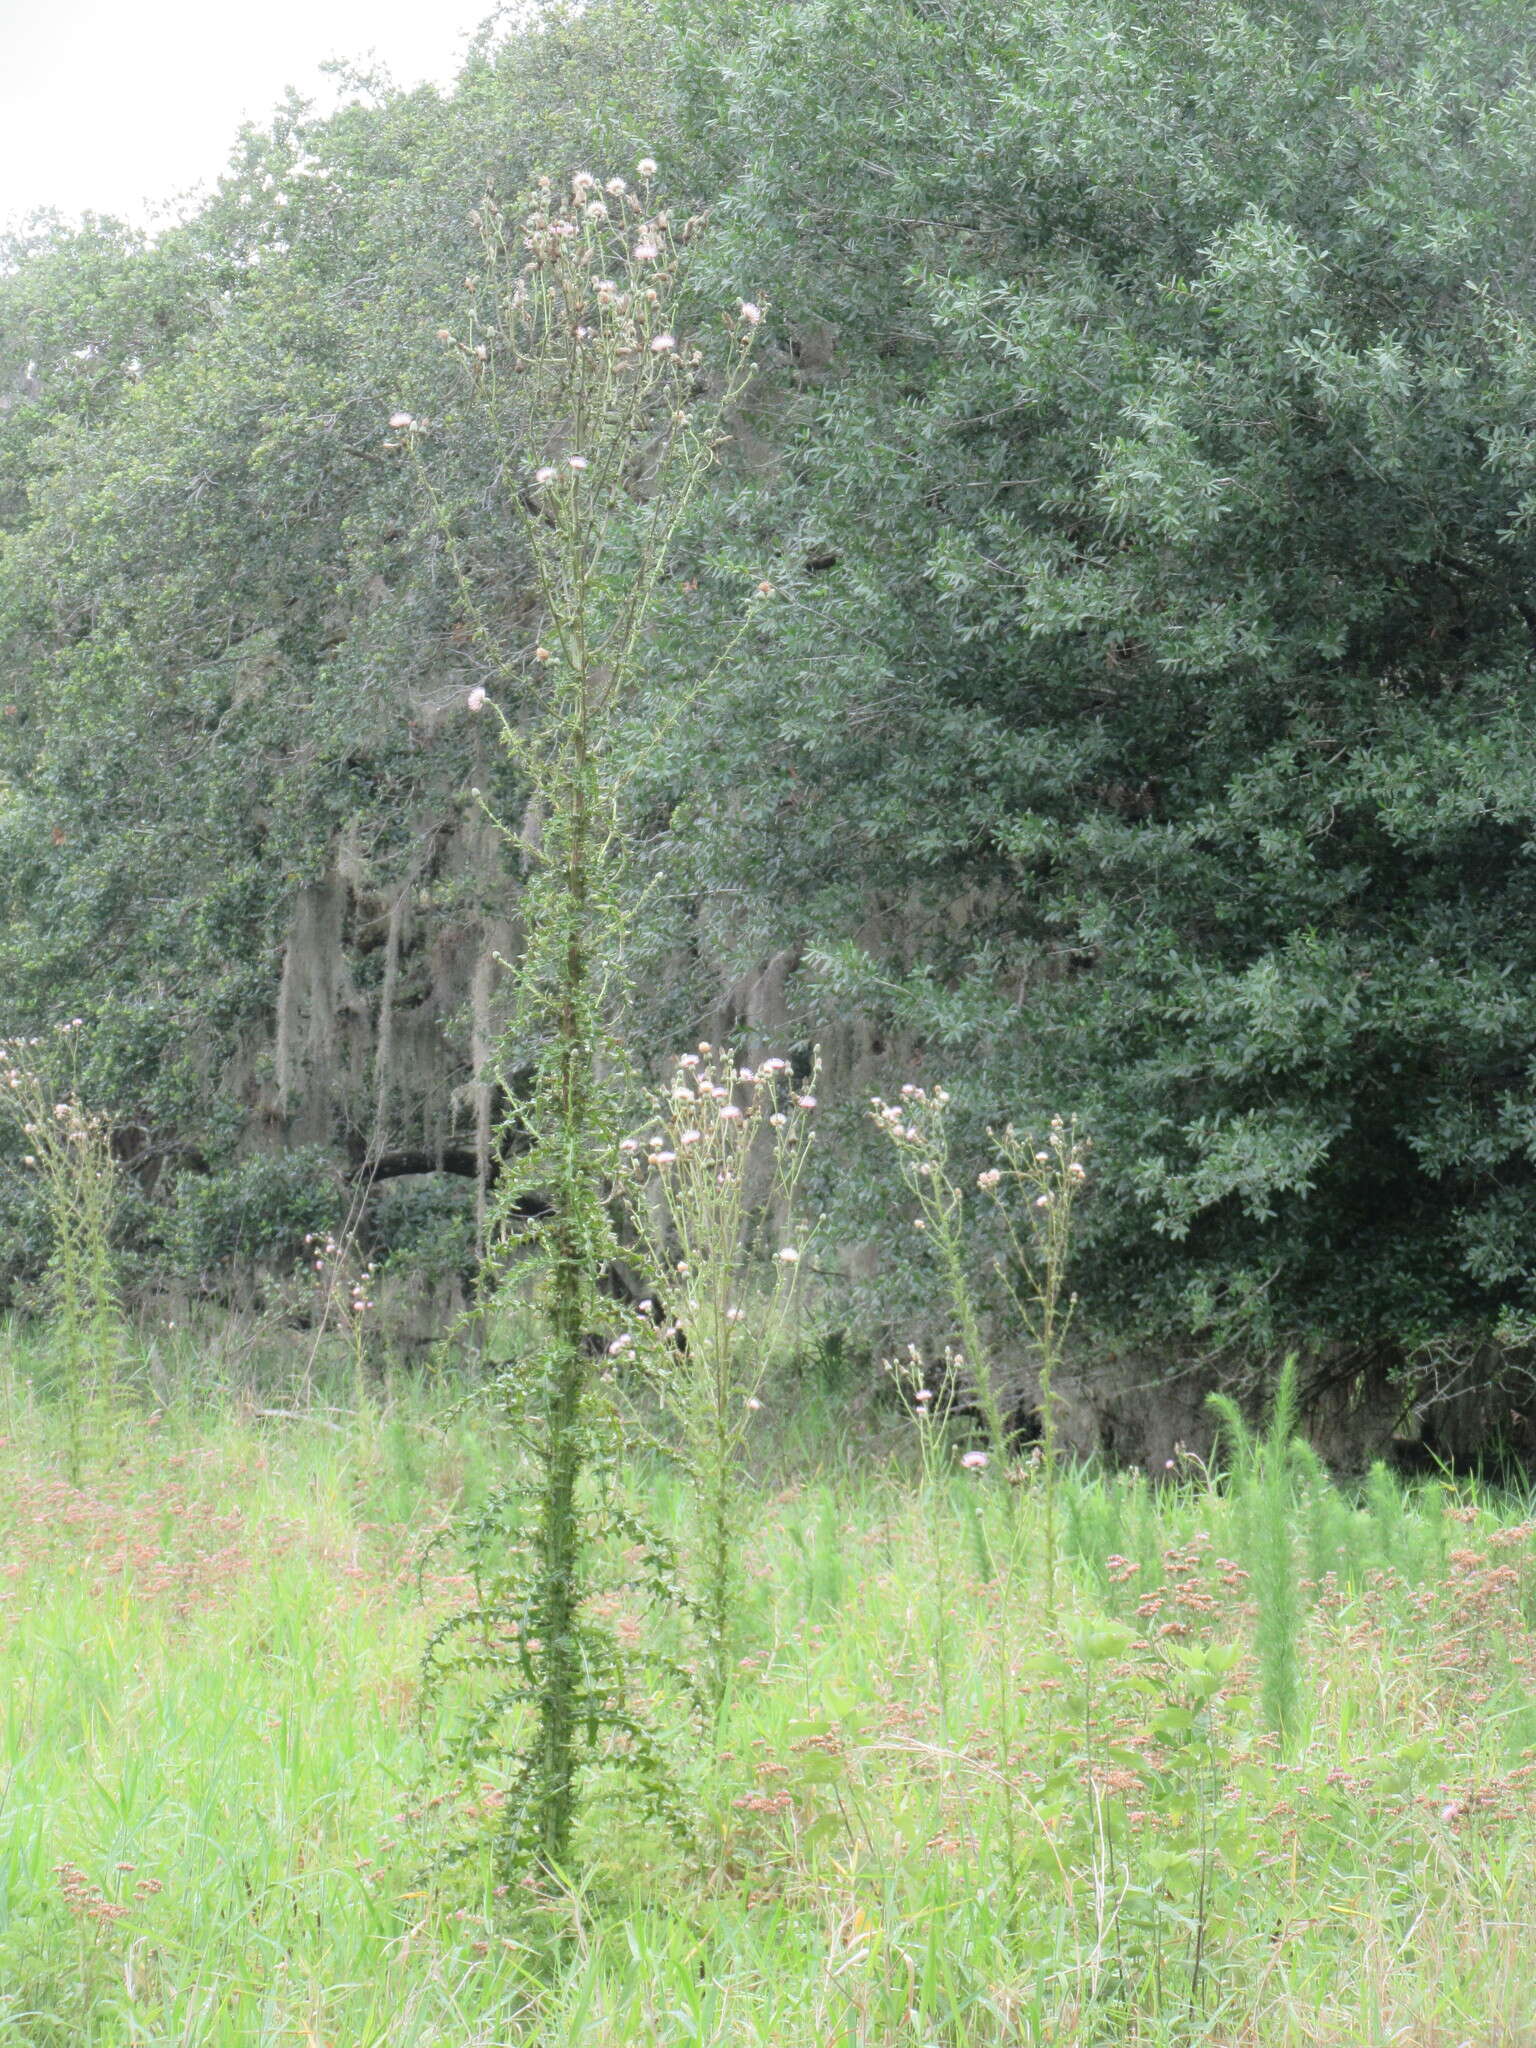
(116, 105)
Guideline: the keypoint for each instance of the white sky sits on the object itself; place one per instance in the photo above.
(120, 105)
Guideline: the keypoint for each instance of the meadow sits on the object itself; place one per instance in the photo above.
(946, 1803)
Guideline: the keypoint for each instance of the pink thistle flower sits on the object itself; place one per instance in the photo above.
(663, 345)
(975, 1461)
(475, 701)
(646, 167)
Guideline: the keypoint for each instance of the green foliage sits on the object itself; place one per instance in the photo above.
(229, 631)
(1146, 731)
(261, 1211)
(426, 1224)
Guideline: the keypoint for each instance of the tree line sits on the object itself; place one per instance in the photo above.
(1139, 450)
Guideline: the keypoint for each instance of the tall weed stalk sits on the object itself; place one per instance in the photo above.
(716, 1181)
(69, 1149)
(1044, 1180)
(606, 438)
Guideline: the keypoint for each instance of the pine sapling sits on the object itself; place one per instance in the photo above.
(1261, 1478)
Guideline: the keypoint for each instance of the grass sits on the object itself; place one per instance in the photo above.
(933, 1820)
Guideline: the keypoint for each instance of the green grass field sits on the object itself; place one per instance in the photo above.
(935, 1817)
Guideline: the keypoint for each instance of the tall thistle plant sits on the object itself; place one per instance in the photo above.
(918, 1127)
(1035, 1187)
(716, 1185)
(599, 401)
(69, 1150)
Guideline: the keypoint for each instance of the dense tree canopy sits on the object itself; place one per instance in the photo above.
(1143, 453)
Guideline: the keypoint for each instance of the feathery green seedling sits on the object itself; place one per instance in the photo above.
(1261, 1479)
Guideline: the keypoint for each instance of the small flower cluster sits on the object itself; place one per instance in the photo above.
(89, 1901)
(1053, 1170)
(331, 1257)
(52, 1124)
(713, 1110)
(904, 1121)
(599, 258)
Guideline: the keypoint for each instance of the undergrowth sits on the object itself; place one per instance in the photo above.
(212, 1829)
